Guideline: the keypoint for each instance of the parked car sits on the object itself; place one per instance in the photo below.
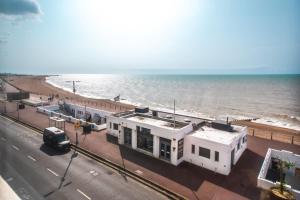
(56, 138)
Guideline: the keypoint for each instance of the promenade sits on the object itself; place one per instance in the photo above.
(189, 180)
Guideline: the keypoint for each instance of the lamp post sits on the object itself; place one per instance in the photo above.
(74, 86)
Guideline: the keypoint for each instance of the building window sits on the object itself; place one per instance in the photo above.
(216, 156)
(110, 125)
(239, 145)
(245, 139)
(116, 126)
(144, 139)
(193, 149)
(204, 152)
(180, 149)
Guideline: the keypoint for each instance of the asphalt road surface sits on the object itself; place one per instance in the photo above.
(35, 171)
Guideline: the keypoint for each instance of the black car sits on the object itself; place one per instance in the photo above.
(56, 138)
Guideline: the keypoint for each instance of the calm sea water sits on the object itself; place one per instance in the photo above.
(274, 97)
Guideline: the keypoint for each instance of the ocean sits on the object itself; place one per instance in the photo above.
(273, 98)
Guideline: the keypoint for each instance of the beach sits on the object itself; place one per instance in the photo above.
(38, 86)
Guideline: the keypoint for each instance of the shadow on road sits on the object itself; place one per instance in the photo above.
(51, 151)
(74, 155)
(63, 178)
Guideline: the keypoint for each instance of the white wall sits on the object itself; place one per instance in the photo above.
(262, 182)
(92, 111)
(222, 166)
(243, 147)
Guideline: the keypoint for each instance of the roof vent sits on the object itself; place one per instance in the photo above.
(169, 116)
(141, 109)
(221, 125)
(187, 120)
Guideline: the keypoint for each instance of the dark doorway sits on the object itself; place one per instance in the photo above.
(144, 139)
(165, 149)
(127, 136)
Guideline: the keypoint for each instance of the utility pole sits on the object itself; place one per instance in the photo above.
(74, 86)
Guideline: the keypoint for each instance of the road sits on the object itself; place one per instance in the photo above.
(35, 171)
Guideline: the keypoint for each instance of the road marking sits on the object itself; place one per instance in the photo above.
(86, 196)
(9, 179)
(3, 139)
(31, 158)
(52, 172)
(15, 147)
(93, 172)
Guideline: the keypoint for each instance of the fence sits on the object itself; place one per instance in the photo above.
(275, 135)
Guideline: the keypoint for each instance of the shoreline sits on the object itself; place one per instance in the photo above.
(39, 86)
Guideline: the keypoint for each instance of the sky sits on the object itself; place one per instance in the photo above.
(157, 36)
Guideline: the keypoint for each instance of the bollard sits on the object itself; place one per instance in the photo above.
(271, 135)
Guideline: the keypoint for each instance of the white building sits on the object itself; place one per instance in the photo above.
(212, 145)
(83, 112)
(73, 113)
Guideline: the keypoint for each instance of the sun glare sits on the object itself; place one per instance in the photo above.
(134, 21)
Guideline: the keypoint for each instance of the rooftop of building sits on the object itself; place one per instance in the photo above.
(154, 121)
(217, 135)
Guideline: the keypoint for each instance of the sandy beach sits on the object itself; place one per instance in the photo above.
(38, 86)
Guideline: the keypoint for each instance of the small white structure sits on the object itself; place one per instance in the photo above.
(98, 117)
(57, 122)
(211, 145)
(83, 112)
(268, 175)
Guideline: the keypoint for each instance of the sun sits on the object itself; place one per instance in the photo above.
(131, 28)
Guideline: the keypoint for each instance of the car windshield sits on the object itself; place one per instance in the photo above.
(61, 137)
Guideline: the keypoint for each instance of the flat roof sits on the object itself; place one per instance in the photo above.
(154, 122)
(55, 130)
(216, 135)
(57, 119)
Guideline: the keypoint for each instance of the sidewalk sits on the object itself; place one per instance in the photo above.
(189, 180)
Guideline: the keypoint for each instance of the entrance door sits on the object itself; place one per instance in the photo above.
(127, 136)
(165, 149)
